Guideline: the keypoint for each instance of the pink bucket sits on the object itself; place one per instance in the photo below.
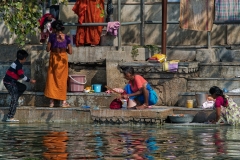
(76, 83)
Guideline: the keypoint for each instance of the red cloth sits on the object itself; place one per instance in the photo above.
(88, 12)
(41, 20)
(116, 104)
(137, 83)
(220, 102)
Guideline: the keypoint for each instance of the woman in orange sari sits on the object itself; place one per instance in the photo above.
(56, 83)
(89, 11)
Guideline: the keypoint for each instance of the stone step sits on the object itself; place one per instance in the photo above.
(156, 115)
(219, 69)
(204, 84)
(146, 67)
(74, 99)
(184, 96)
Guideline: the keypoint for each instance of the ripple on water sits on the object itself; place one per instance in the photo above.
(74, 141)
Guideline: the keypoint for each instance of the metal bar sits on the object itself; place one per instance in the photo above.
(164, 26)
(119, 29)
(85, 24)
(136, 22)
(142, 25)
(209, 39)
(177, 22)
(130, 23)
(160, 22)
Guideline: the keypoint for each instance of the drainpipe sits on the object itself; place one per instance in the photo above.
(164, 26)
(142, 26)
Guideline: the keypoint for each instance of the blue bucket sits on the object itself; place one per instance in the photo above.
(97, 87)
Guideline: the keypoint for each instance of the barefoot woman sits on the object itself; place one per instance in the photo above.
(138, 92)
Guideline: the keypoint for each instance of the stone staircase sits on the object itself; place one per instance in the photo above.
(221, 74)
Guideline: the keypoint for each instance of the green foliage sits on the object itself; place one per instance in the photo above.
(152, 48)
(134, 51)
(21, 17)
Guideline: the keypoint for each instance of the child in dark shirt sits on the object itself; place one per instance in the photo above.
(15, 88)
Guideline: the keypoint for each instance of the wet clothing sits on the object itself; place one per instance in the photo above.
(57, 75)
(133, 87)
(15, 88)
(89, 11)
(231, 113)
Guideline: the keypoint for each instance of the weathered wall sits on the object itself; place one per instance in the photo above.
(221, 34)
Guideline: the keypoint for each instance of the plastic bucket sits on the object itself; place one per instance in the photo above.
(97, 87)
(76, 83)
(73, 37)
(189, 104)
(201, 98)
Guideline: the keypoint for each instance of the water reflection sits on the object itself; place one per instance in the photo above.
(56, 144)
(74, 141)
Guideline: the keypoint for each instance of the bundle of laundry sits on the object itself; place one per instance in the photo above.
(170, 66)
(112, 28)
(157, 58)
(45, 26)
(208, 105)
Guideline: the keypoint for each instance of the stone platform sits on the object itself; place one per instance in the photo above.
(157, 115)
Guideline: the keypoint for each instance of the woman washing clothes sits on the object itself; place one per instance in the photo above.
(227, 111)
(57, 75)
(139, 93)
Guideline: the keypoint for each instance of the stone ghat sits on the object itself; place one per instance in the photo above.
(157, 115)
(122, 116)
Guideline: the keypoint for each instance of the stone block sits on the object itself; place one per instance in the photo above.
(181, 54)
(219, 69)
(114, 76)
(224, 55)
(206, 55)
(236, 55)
(203, 84)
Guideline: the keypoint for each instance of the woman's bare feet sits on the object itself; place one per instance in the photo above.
(143, 106)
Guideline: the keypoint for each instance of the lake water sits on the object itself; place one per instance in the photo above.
(117, 142)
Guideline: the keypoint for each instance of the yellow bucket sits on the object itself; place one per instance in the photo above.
(189, 104)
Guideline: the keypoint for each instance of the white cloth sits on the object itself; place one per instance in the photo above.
(208, 105)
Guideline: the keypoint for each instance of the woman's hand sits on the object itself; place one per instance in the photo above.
(124, 96)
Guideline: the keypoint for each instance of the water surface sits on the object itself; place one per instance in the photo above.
(120, 142)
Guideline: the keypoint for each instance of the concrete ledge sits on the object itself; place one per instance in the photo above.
(220, 69)
(200, 115)
(38, 99)
(144, 66)
(43, 114)
(156, 115)
(203, 84)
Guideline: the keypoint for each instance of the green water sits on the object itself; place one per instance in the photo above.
(110, 142)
